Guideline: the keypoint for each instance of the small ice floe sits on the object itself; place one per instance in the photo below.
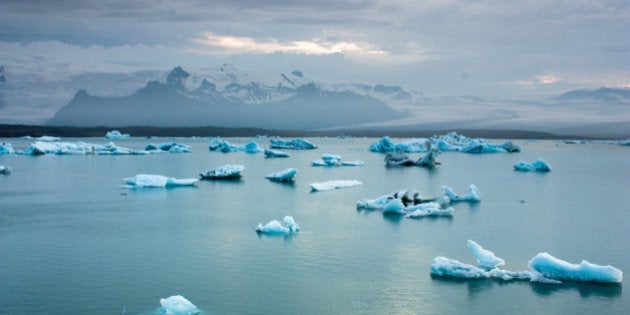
(227, 171)
(538, 166)
(5, 170)
(295, 144)
(115, 134)
(274, 227)
(269, 153)
(554, 268)
(402, 159)
(334, 184)
(177, 305)
(151, 181)
(385, 145)
(224, 146)
(473, 194)
(286, 175)
(6, 149)
(328, 160)
(170, 147)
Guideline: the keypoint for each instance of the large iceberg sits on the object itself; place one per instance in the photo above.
(227, 171)
(274, 227)
(77, 148)
(115, 134)
(151, 181)
(485, 258)
(226, 147)
(295, 144)
(552, 267)
(269, 153)
(459, 143)
(170, 147)
(537, 166)
(5, 170)
(177, 305)
(286, 175)
(6, 148)
(385, 145)
(334, 184)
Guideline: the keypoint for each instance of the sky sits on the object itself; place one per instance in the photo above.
(458, 47)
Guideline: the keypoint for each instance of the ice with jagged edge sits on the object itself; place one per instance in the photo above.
(270, 153)
(77, 148)
(177, 305)
(115, 134)
(454, 142)
(295, 144)
(393, 159)
(473, 194)
(385, 145)
(226, 147)
(153, 181)
(5, 170)
(6, 149)
(228, 171)
(537, 166)
(330, 160)
(274, 227)
(485, 258)
(334, 184)
(286, 175)
(170, 147)
(554, 268)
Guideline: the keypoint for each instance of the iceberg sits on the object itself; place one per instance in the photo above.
(282, 176)
(227, 171)
(473, 196)
(226, 147)
(442, 266)
(413, 205)
(335, 160)
(353, 163)
(5, 170)
(334, 184)
(269, 153)
(429, 209)
(295, 144)
(170, 147)
(115, 134)
(6, 148)
(538, 166)
(177, 305)
(402, 159)
(151, 181)
(274, 227)
(485, 258)
(385, 145)
(48, 138)
(453, 142)
(552, 267)
(77, 148)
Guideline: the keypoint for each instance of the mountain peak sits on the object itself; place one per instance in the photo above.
(176, 78)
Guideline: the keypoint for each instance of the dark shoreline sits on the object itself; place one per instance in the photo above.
(14, 131)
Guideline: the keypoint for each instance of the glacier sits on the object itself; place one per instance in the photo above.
(269, 153)
(6, 149)
(485, 258)
(286, 175)
(151, 181)
(5, 170)
(226, 147)
(177, 305)
(295, 144)
(552, 267)
(537, 166)
(334, 184)
(274, 227)
(115, 134)
(227, 171)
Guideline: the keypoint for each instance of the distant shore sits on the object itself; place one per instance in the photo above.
(13, 131)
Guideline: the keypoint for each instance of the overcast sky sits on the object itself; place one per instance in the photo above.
(500, 48)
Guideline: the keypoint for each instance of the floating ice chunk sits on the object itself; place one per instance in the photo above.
(538, 166)
(352, 163)
(275, 154)
(227, 171)
(552, 267)
(394, 206)
(286, 175)
(334, 184)
(170, 147)
(373, 204)
(274, 227)
(328, 160)
(485, 258)
(77, 148)
(402, 159)
(385, 145)
(226, 147)
(115, 134)
(295, 144)
(429, 209)
(474, 195)
(252, 147)
(177, 305)
(459, 143)
(6, 148)
(5, 170)
(146, 180)
(442, 266)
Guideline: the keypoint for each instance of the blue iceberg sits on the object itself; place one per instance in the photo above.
(152, 181)
(177, 305)
(473, 195)
(5, 170)
(453, 142)
(6, 148)
(334, 184)
(170, 147)
(77, 148)
(115, 134)
(538, 166)
(393, 159)
(274, 227)
(335, 160)
(552, 267)
(485, 258)
(226, 147)
(227, 171)
(295, 144)
(286, 175)
(269, 153)
(385, 145)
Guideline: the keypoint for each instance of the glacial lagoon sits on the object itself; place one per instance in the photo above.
(73, 241)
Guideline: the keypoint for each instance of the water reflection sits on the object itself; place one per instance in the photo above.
(286, 237)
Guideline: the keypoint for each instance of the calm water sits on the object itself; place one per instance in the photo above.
(73, 242)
